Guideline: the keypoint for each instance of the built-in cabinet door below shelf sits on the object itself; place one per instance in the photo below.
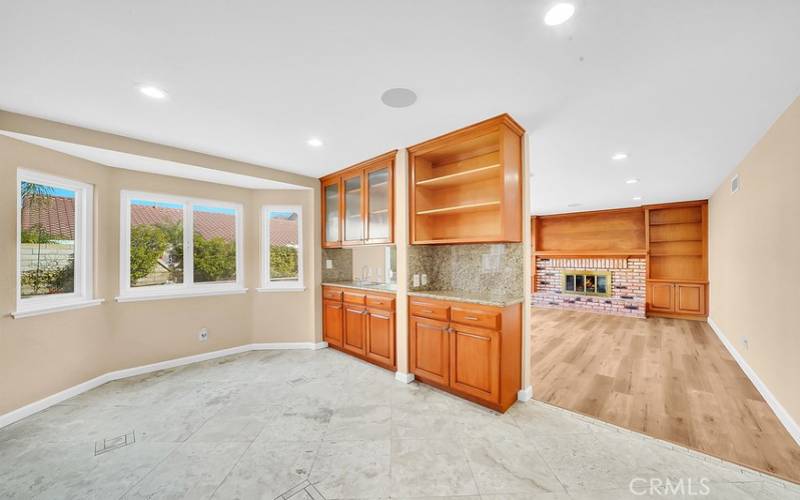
(355, 326)
(429, 355)
(475, 362)
(378, 204)
(380, 337)
(661, 297)
(332, 322)
(690, 298)
(353, 208)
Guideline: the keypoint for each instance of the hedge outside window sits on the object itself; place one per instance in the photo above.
(177, 245)
(54, 234)
(282, 265)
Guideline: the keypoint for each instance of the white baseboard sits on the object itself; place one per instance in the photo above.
(525, 394)
(287, 345)
(405, 378)
(783, 415)
(54, 399)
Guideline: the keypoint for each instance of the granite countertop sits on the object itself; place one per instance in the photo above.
(378, 287)
(483, 298)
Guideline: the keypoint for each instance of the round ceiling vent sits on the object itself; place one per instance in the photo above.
(399, 98)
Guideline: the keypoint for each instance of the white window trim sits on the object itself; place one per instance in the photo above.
(188, 288)
(281, 286)
(83, 293)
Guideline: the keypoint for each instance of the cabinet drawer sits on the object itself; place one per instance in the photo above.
(380, 302)
(331, 294)
(355, 298)
(476, 317)
(430, 310)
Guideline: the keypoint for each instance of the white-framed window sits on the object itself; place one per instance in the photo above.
(55, 263)
(173, 246)
(282, 248)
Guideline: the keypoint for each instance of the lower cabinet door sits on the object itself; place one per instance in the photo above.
(660, 297)
(690, 298)
(475, 362)
(355, 329)
(380, 336)
(332, 322)
(429, 349)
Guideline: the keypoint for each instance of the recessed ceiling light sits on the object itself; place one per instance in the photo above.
(559, 14)
(399, 98)
(619, 156)
(631, 181)
(153, 92)
(637, 198)
(314, 142)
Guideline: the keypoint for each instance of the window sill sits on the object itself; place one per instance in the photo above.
(281, 289)
(179, 295)
(56, 308)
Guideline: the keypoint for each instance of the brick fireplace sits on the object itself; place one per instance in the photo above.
(626, 295)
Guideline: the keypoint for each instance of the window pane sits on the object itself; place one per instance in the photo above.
(283, 246)
(156, 243)
(47, 240)
(214, 253)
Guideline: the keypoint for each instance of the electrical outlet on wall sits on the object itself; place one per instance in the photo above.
(202, 335)
(328, 264)
(424, 279)
(415, 280)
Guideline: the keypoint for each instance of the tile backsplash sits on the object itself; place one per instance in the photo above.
(342, 264)
(471, 268)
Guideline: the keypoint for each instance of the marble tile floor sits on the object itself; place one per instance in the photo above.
(322, 425)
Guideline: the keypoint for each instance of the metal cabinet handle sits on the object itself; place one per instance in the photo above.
(474, 336)
(471, 318)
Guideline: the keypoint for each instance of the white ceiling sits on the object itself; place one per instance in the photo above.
(686, 87)
(140, 163)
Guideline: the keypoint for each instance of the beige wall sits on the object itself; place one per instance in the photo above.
(754, 259)
(42, 355)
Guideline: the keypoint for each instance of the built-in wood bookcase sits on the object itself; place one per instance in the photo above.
(466, 186)
(677, 259)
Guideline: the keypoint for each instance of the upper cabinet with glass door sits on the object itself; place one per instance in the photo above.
(357, 204)
(331, 210)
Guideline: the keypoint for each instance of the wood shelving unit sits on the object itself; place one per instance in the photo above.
(677, 259)
(466, 185)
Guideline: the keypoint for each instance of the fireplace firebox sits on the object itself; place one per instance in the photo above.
(580, 282)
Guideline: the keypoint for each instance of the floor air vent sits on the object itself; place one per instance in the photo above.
(111, 444)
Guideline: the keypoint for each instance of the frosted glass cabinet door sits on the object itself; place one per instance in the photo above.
(353, 218)
(332, 213)
(378, 205)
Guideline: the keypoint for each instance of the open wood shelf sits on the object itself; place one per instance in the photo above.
(465, 185)
(675, 241)
(473, 175)
(673, 223)
(471, 207)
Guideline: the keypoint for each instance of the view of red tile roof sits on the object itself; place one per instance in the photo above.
(208, 224)
(57, 217)
(55, 214)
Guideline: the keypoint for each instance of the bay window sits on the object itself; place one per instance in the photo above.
(282, 248)
(177, 246)
(54, 244)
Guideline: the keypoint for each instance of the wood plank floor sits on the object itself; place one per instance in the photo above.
(667, 378)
